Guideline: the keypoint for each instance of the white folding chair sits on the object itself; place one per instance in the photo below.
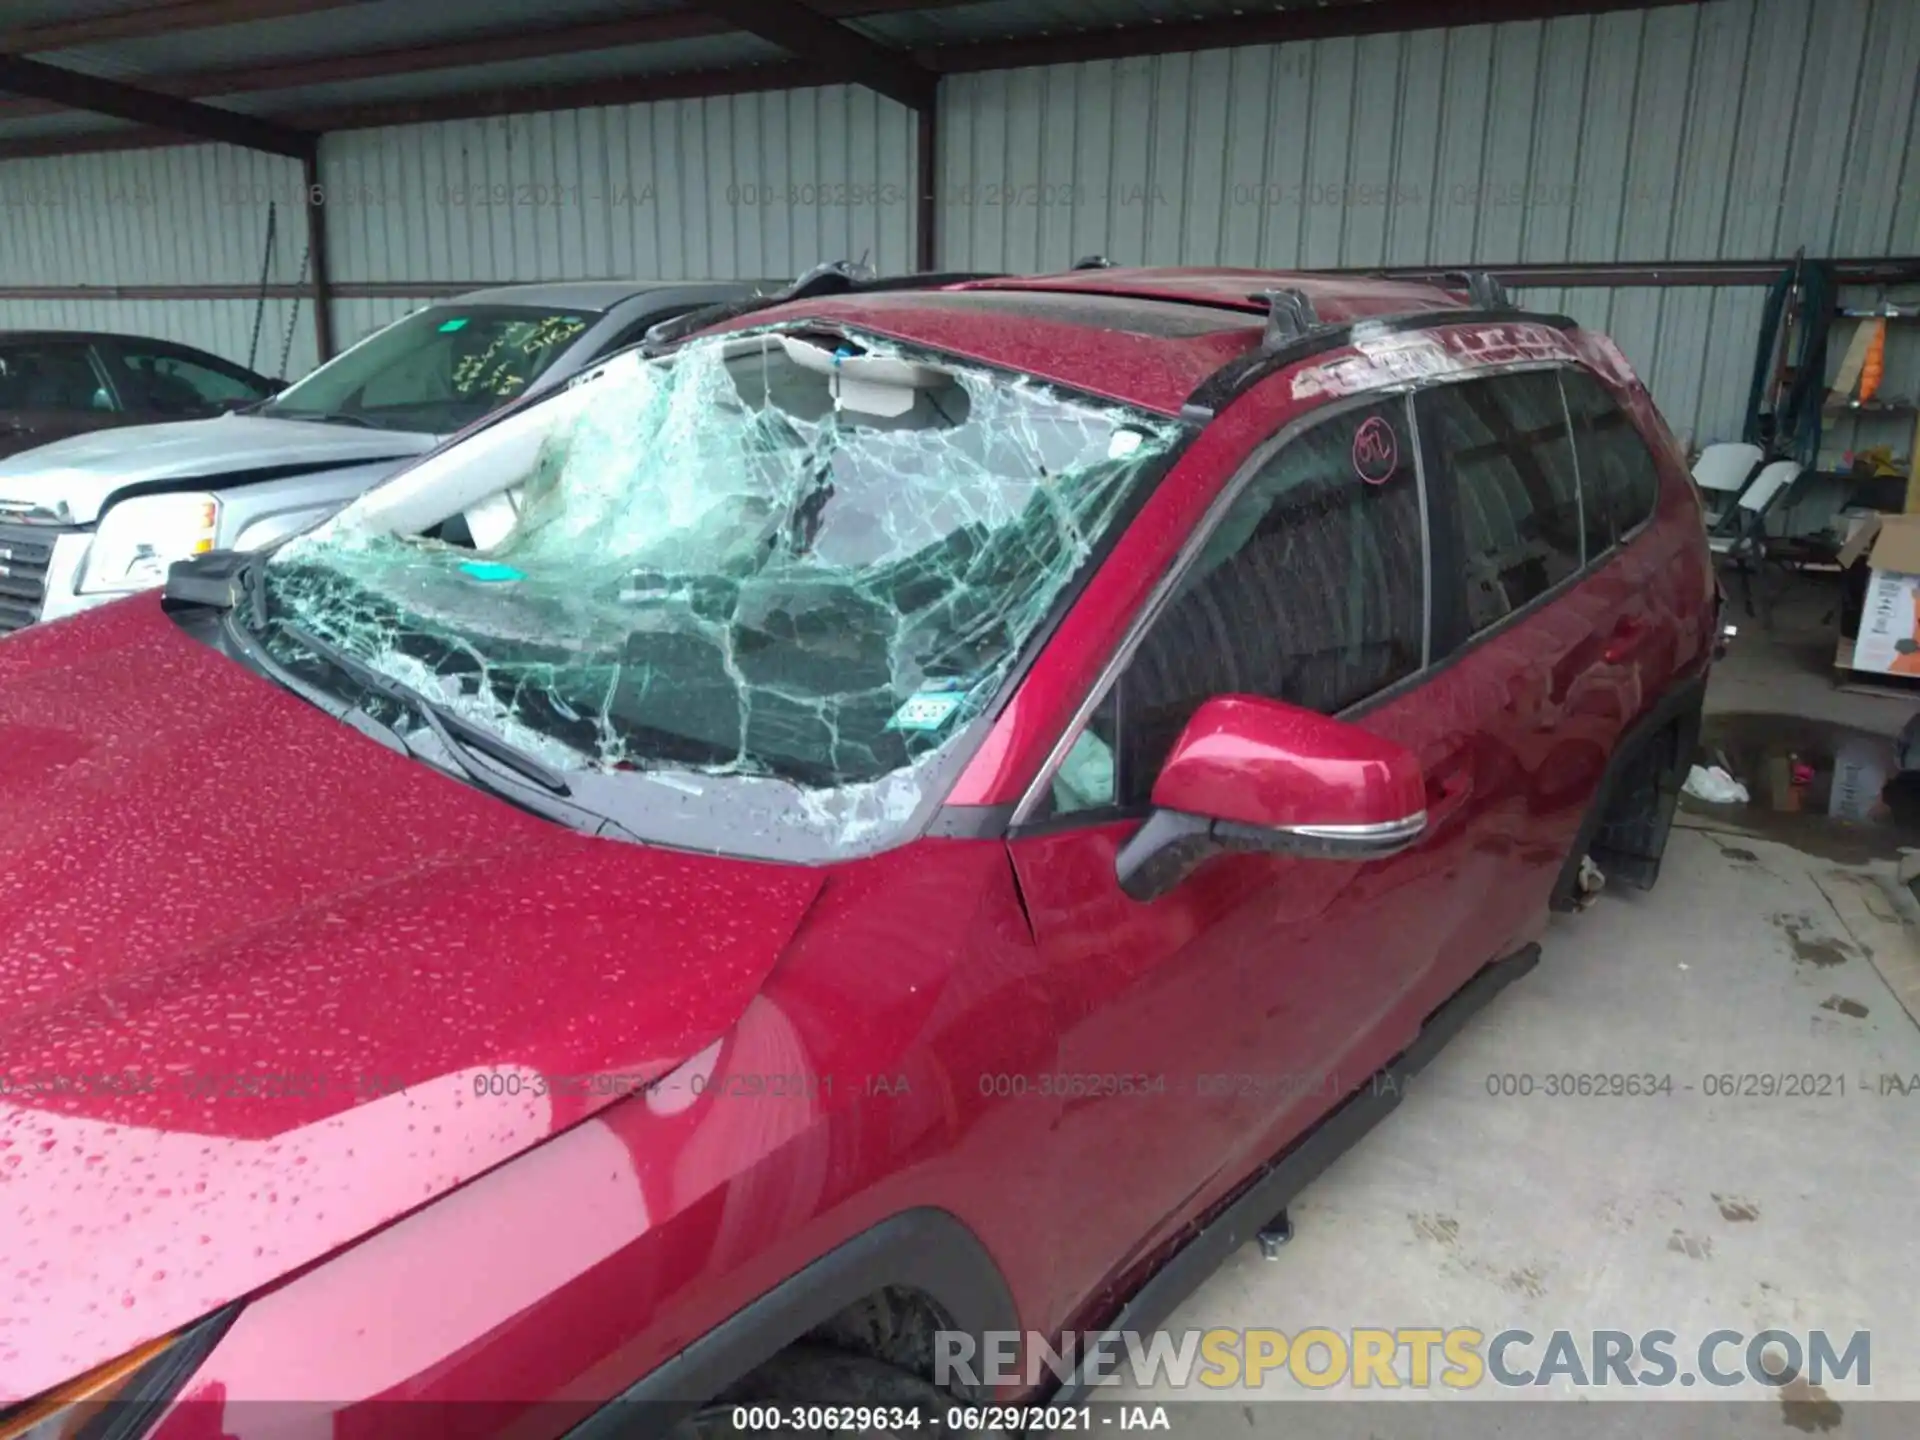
(1743, 539)
(1722, 473)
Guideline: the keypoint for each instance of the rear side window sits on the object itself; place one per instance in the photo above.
(1311, 590)
(176, 384)
(1503, 444)
(50, 375)
(1618, 477)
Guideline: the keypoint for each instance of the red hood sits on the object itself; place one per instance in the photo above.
(203, 878)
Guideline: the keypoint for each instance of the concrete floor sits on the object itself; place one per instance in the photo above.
(1685, 1212)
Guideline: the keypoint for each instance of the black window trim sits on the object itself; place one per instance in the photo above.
(120, 349)
(1633, 531)
(1461, 638)
(1020, 824)
(89, 348)
(1466, 642)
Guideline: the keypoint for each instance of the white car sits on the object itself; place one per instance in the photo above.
(93, 517)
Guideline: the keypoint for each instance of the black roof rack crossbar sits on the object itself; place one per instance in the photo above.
(833, 277)
(1483, 288)
(1290, 316)
(1242, 373)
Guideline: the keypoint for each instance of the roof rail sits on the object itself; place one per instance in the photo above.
(1483, 288)
(1290, 316)
(832, 277)
(1237, 376)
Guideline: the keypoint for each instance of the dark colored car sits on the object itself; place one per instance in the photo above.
(941, 812)
(55, 383)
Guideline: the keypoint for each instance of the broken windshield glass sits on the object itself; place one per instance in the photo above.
(801, 562)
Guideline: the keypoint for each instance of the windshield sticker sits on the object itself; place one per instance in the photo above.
(490, 571)
(494, 371)
(1376, 451)
(929, 710)
(449, 326)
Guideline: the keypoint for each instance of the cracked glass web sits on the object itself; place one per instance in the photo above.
(800, 558)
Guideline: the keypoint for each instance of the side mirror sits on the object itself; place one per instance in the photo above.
(1251, 774)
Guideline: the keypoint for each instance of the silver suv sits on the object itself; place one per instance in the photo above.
(90, 518)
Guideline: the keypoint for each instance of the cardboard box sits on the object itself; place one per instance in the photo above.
(1889, 639)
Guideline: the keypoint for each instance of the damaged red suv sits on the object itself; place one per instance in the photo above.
(907, 813)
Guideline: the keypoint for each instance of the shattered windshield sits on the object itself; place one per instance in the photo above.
(437, 370)
(783, 568)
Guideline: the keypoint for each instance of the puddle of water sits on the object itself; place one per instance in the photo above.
(1842, 808)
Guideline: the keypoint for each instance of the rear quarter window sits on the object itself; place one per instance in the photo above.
(1619, 479)
(1501, 448)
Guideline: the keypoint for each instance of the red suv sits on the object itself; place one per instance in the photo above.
(909, 813)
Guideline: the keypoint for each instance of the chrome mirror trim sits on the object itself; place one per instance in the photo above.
(1350, 842)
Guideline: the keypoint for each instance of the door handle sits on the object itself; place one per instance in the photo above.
(1629, 635)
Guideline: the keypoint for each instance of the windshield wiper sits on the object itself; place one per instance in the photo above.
(461, 738)
(332, 417)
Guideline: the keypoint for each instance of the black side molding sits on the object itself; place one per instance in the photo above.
(926, 1249)
(1281, 1181)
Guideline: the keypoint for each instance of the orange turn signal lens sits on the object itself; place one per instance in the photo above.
(63, 1413)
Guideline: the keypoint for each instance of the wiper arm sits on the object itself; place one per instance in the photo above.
(461, 738)
(334, 417)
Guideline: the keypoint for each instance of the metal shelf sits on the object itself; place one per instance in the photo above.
(1871, 407)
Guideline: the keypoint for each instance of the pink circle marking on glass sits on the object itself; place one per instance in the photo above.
(1376, 451)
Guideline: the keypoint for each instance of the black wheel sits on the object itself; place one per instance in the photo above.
(808, 1375)
(1632, 837)
(1625, 832)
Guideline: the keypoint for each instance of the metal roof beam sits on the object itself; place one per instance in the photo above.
(469, 105)
(1269, 27)
(162, 17)
(492, 48)
(143, 107)
(861, 62)
(809, 35)
(568, 95)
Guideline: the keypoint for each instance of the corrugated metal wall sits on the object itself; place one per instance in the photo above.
(746, 185)
(196, 215)
(1738, 129)
(1735, 129)
(736, 186)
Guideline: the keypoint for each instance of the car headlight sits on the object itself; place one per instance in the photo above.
(121, 1399)
(138, 539)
